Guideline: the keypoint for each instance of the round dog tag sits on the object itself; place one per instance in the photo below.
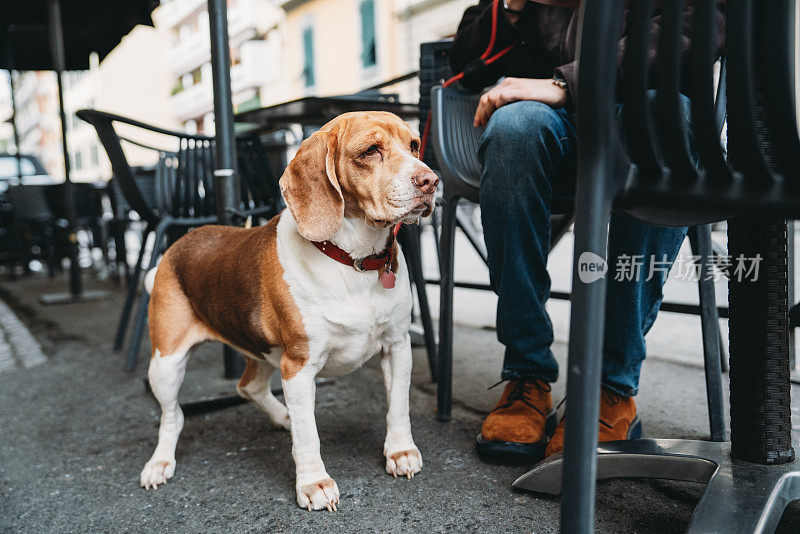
(387, 278)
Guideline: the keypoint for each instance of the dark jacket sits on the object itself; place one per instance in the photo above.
(546, 38)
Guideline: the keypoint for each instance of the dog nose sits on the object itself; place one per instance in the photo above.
(426, 181)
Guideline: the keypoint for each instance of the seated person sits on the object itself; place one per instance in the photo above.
(527, 151)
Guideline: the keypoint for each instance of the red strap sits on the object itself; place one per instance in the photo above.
(486, 59)
(374, 262)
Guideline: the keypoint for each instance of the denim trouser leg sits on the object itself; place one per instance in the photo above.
(632, 302)
(526, 146)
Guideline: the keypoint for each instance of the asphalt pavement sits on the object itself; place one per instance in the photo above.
(76, 429)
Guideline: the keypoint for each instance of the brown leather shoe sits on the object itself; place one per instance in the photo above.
(518, 428)
(618, 421)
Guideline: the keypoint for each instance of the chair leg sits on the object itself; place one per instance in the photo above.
(436, 224)
(133, 285)
(144, 298)
(584, 367)
(723, 355)
(411, 245)
(475, 241)
(444, 360)
(700, 239)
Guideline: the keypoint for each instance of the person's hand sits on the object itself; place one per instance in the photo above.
(515, 89)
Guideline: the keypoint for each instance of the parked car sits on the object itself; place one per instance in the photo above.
(32, 171)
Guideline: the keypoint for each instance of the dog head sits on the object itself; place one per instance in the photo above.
(359, 165)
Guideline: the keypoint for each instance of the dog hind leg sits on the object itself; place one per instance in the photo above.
(255, 386)
(166, 376)
(174, 330)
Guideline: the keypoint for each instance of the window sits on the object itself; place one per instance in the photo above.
(93, 155)
(78, 160)
(254, 102)
(308, 56)
(197, 76)
(369, 54)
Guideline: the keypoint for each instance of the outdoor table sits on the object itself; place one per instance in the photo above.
(316, 111)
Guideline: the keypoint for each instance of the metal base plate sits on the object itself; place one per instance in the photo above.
(739, 496)
(69, 298)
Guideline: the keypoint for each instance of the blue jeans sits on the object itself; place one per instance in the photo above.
(528, 149)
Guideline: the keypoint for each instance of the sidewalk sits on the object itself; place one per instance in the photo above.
(77, 429)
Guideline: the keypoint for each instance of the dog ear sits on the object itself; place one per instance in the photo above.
(311, 189)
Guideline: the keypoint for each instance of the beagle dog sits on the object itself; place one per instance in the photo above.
(317, 291)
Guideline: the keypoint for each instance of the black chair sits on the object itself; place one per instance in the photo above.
(88, 212)
(36, 226)
(751, 479)
(456, 141)
(122, 219)
(184, 193)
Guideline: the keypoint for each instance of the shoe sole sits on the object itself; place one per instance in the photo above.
(635, 430)
(514, 453)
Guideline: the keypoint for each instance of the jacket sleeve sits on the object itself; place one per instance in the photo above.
(570, 70)
(472, 39)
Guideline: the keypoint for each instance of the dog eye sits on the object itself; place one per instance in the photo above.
(371, 151)
(414, 146)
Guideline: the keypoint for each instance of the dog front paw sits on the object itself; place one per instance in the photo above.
(156, 472)
(405, 463)
(319, 495)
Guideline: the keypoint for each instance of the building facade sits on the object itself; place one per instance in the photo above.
(280, 50)
(255, 56)
(336, 47)
(37, 119)
(132, 81)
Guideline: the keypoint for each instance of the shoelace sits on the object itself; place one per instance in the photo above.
(612, 397)
(521, 392)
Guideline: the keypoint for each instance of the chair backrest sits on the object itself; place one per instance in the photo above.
(183, 172)
(455, 140)
(87, 198)
(434, 69)
(659, 182)
(145, 181)
(257, 178)
(30, 202)
(123, 173)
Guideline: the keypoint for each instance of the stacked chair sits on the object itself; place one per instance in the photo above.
(182, 195)
(750, 479)
(35, 227)
(123, 218)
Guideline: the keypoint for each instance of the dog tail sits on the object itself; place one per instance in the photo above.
(150, 279)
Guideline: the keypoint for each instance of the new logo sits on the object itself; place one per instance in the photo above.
(591, 267)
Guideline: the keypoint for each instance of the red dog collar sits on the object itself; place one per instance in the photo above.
(374, 262)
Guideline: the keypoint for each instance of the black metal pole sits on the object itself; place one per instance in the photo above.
(226, 180)
(225, 176)
(11, 88)
(17, 153)
(56, 33)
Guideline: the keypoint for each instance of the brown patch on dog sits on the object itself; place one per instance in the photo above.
(230, 287)
(249, 374)
(173, 323)
(311, 188)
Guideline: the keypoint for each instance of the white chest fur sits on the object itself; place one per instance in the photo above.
(348, 315)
